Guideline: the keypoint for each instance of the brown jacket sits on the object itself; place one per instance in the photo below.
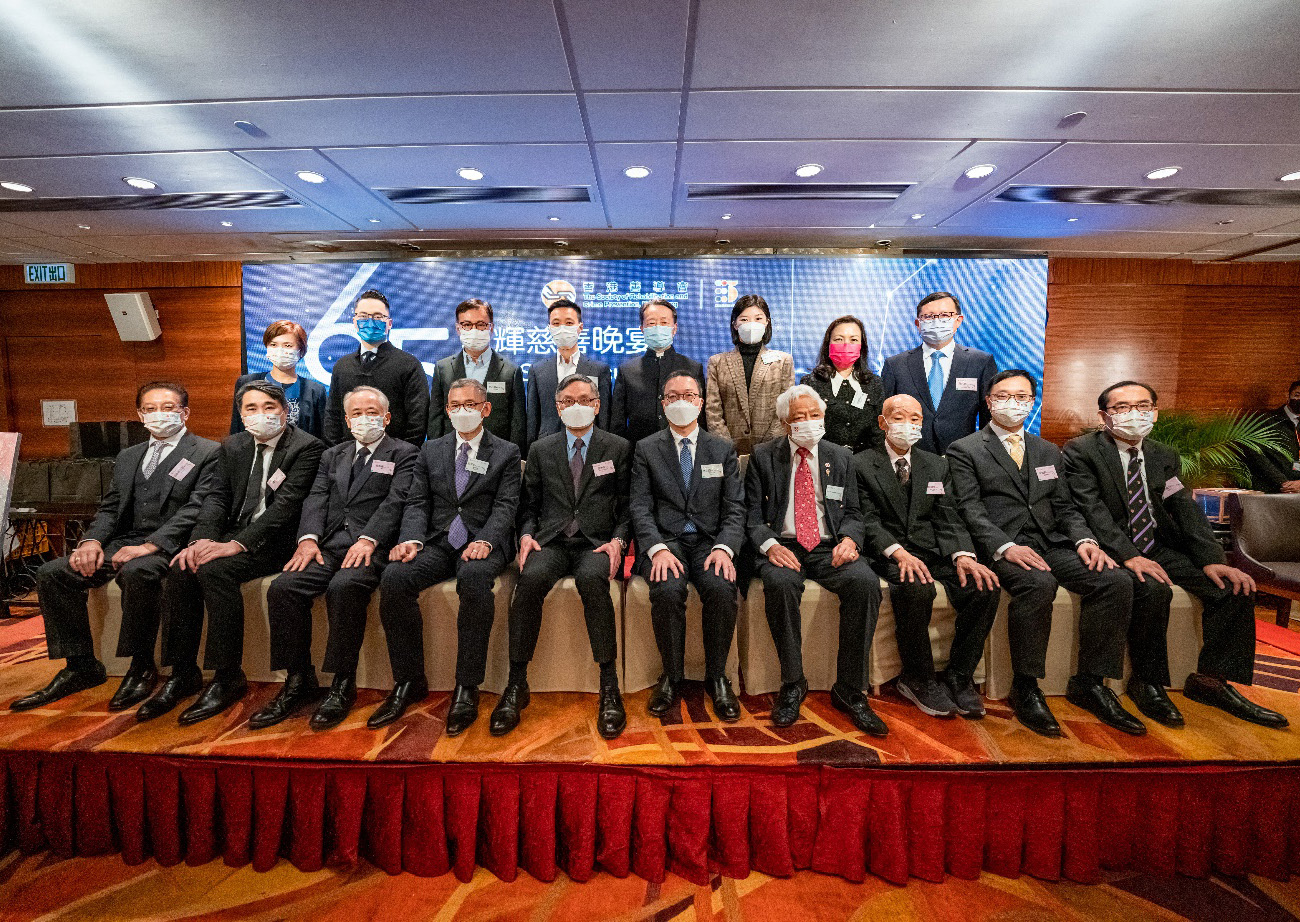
(746, 416)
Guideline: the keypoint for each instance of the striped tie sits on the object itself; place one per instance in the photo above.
(688, 465)
(1141, 525)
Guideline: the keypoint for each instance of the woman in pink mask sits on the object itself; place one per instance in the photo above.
(853, 393)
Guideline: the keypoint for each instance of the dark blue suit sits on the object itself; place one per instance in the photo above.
(961, 411)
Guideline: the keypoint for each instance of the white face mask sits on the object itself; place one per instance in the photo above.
(904, 435)
(937, 330)
(1135, 425)
(807, 433)
(751, 331)
(163, 425)
(681, 412)
(475, 340)
(578, 416)
(1011, 415)
(366, 429)
(465, 420)
(283, 359)
(263, 425)
(564, 337)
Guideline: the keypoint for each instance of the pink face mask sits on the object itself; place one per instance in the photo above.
(844, 354)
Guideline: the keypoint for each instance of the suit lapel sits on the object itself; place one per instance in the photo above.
(593, 453)
(755, 392)
(735, 367)
(243, 470)
(364, 474)
(781, 484)
(889, 484)
(174, 458)
(916, 366)
(1110, 461)
(919, 483)
(494, 367)
(483, 454)
(993, 445)
(671, 461)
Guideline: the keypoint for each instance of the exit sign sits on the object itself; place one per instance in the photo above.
(50, 273)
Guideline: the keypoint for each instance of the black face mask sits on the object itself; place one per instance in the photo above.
(1294, 404)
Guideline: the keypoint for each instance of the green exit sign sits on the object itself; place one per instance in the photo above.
(50, 273)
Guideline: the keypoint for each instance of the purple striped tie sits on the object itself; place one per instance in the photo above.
(457, 534)
(1141, 524)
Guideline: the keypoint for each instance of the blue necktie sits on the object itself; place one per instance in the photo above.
(687, 463)
(457, 534)
(936, 379)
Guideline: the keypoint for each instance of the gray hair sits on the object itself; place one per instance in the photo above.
(799, 390)
(480, 392)
(366, 389)
(583, 379)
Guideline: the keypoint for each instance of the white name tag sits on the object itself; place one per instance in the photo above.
(382, 467)
(834, 491)
(1172, 486)
(496, 387)
(601, 468)
(968, 384)
(1295, 465)
(934, 488)
(1046, 472)
(183, 467)
(275, 479)
(476, 466)
(770, 357)
(710, 470)
(859, 400)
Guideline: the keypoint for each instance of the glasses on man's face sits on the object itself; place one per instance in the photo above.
(1146, 406)
(1006, 400)
(673, 396)
(482, 326)
(160, 408)
(947, 316)
(371, 316)
(565, 402)
(465, 405)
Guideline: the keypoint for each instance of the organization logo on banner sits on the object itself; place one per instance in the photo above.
(557, 289)
(725, 291)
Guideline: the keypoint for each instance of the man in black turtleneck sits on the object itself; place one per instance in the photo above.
(637, 410)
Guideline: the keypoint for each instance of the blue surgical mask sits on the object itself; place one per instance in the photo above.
(658, 338)
(372, 330)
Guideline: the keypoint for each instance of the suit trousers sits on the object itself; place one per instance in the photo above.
(1227, 623)
(399, 609)
(1107, 601)
(668, 608)
(62, 592)
(858, 588)
(563, 557)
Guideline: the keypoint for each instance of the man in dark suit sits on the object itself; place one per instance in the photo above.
(459, 523)
(564, 321)
(247, 521)
(916, 538)
(478, 361)
(574, 523)
(688, 518)
(803, 516)
(1128, 489)
(1018, 509)
(378, 363)
(1279, 471)
(143, 520)
(348, 524)
(950, 380)
(637, 410)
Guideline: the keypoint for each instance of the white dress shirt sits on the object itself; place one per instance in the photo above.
(787, 524)
(370, 347)
(694, 436)
(563, 369)
(927, 358)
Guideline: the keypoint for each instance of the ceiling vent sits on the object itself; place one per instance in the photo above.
(1124, 195)
(818, 191)
(469, 195)
(189, 201)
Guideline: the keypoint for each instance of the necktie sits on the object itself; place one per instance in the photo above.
(1141, 524)
(935, 380)
(256, 485)
(457, 535)
(358, 466)
(1016, 449)
(806, 531)
(151, 463)
(575, 469)
(367, 359)
(688, 464)
(904, 472)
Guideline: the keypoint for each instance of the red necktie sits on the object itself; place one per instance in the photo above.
(806, 531)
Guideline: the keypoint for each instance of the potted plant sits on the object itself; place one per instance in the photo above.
(1214, 447)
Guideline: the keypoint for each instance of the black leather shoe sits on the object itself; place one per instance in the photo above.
(1031, 710)
(1219, 694)
(65, 682)
(854, 703)
(1102, 703)
(299, 690)
(403, 695)
(725, 705)
(219, 695)
(505, 716)
(337, 704)
(179, 685)
(785, 710)
(463, 711)
(137, 685)
(1152, 701)
(610, 716)
(662, 697)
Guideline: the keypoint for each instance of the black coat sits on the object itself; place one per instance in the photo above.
(369, 506)
(505, 386)
(637, 410)
(601, 503)
(961, 411)
(857, 429)
(661, 502)
(399, 376)
(542, 382)
(916, 517)
(767, 490)
(313, 400)
(1268, 471)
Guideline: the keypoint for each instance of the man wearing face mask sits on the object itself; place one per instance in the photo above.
(1128, 488)
(949, 380)
(574, 523)
(378, 363)
(803, 516)
(478, 361)
(1010, 489)
(459, 526)
(286, 344)
(1279, 471)
(688, 513)
(564, 321)
(247, 522)
(144, 519)
(637, 410)
(349, 522)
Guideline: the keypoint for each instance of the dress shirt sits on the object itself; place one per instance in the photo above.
(839, 378)
(787, 524)
(927, 357)
(1295, 420)
(694, 436)
(563, 369)
(477, 371)
(1125, 453)
(371, 347)
(167, 444)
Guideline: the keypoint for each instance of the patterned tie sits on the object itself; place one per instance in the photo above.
(687, 463)
(1016, 448)
(936, 379)
(904, 472)
(256, 485)
(457, 534)
(806, 531)
(151, 463)
(1141, 524)
(575, 469)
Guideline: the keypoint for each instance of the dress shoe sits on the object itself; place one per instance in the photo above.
(137, 685)
(1101, 702)
(785, 710)
(219, 695)
(610, 716)
(854, 703)
(403, 695)
(505, 716)
(65, 682)
(929, 695)
(180, 684)
(299, 690)
(965, 697)
(337, 704)
(662, 697)
(1152, 701)
(1219, 694)
(463, 711)
(725, 705)
(1031, 710)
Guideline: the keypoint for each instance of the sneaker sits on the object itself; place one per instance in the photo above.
(928, 695)
(965, 696)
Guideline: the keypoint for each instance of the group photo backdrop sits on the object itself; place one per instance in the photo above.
(1004, 302)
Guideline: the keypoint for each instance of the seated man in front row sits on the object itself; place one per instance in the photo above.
(348, 523)
(143, 520)
(1128, 489)
(916, 538)
(802, 495)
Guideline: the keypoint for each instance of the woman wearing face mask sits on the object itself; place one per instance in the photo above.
(853, 393)
(743, 384)
(286, 343)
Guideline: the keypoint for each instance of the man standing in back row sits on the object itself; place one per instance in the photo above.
(478, 361)
(638, 410)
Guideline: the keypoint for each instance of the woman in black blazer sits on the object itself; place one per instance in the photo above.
(286, 343)
(853, 393)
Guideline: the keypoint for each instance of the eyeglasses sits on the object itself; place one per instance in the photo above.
(467, 405)
(160, 408)
(565, 402)
(371, 316)
(1006, 400)
(947, 316)
(1146, 406)
(482, 325)
(688, 395)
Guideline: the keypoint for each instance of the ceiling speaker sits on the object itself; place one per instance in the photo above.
(134, 316)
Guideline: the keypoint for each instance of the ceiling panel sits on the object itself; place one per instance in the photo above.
(628, 46)
(844, 161)
(807, 214)
(633, 116)
(1051, 218)
(643, 202)
(178, 221)
(229, 244)
(1201, 166)
(341, 195)
(503, 165)
(213, 171)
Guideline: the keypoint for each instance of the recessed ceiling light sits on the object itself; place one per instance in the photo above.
(16, 186)
(310, 176)
(918, 216)
(468, 172)
(979, 171)
(808, 169)
(1072, 220)
(1224, 223)
(1289, 177)
(373, 220)
(553, 218)
(84, 226)
(227, 223)
(726, 217)
(1163, 173)
(637, 172)
(137, 182)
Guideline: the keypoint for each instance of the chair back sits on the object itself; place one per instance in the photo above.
(1266, 527)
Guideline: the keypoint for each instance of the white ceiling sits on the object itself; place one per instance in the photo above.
(570, 92)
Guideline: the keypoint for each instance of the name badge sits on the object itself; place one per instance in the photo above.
(968, 384)
(1295, 465)
(1172, 486)
(476, 466)
(1046, 472)
(183, 467)
(834, 492)
(601, 468)
(710, 470)
(382, 467)
(275, 479)
(496, 387)
(769, 357)
(859, 400)
(934, 488)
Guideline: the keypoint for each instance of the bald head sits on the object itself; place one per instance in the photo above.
(905, 403)
(901, 419)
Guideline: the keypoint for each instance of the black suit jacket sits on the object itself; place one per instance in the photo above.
(960, 412)
(767, 490)
(542, 382)
(661, 502)
(297, 455)
(914, 517)
(313, 399)
(637, 410)
(1271, 469)
(179, 516)
(371, 505)
(399, 375)
(490, 502)
(1097, 480)
(601, 503)
(505, 385)
(1002, 504)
